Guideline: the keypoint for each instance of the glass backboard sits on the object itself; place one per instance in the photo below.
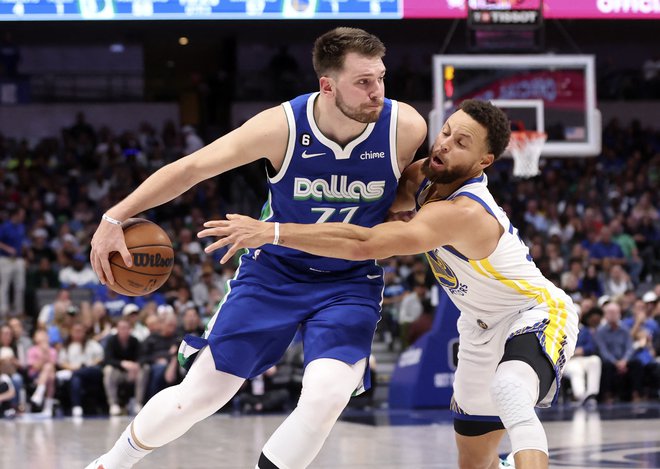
(551, 93)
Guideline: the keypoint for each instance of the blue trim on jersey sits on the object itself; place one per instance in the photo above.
(474, 180)
(476, 199)
(510, 227)
(453, 250)
(476, 418)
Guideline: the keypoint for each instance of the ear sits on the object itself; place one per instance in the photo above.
(487, 160)
(327, 86)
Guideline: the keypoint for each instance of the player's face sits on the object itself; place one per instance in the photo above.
(458, 151)
(360, 88)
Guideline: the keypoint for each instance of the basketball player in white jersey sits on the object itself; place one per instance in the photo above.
(516, 328)
(334, 154)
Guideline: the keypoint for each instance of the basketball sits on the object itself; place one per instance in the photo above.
(153, 259)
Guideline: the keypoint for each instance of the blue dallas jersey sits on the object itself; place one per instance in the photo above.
(322, 182)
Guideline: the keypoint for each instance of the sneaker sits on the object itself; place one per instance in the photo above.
(115, 410)
(9, 413)
(507, 463)
(77, 411)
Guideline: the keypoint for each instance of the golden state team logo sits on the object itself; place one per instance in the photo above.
(442, 271)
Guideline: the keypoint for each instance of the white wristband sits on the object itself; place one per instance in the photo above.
(109, 219)
(276, 238)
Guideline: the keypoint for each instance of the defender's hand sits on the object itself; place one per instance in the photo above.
(238, 230)
(107, 239)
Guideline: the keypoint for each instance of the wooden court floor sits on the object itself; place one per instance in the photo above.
(617, 437)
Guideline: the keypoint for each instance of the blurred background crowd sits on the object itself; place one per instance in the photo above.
(69, 344)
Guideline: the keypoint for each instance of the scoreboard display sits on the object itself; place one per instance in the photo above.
(67, 10)
(505, 25)
(504, 12)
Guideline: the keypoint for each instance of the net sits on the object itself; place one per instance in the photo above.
(526, 147)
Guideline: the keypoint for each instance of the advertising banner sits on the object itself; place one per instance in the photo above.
(587, 9)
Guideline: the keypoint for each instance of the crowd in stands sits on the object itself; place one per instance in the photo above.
(592, 226)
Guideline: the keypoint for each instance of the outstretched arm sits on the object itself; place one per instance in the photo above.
(458, 222)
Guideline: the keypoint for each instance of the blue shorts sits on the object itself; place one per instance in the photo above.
(269, 299)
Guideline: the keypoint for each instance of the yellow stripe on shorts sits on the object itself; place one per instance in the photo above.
(555, 331)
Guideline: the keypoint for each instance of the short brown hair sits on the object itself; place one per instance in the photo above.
(494, 120)
(331, 48)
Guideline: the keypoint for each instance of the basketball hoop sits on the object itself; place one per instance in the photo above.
(526, 147)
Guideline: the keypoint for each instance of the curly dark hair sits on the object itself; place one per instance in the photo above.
(493, 118)
(331, 48)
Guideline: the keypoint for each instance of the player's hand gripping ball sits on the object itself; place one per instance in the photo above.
(153, 259)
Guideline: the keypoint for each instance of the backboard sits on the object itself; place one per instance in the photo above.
(551, 93)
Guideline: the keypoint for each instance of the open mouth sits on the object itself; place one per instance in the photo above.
(436, 161)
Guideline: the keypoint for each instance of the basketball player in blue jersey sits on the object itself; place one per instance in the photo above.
(516, 328)
(334, 155)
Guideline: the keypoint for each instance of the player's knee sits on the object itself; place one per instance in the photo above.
(514, 391)
(326, 402)
(201, 401)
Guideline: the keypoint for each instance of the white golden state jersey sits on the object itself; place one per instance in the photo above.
(506, 287)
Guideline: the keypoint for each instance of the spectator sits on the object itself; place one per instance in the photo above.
(99, 187)
(627, 243)
(47, 313)
(21, 340)
(42, 275)
(131, 313)
(535, 218)
(616, 350)
(393, 293)
(79, 361)
(7, 394)
(10, 365)
(645, 209)
(410, 310)
(191, 322)
(39, 249)
(555, 259)
(13, 237)
(420, 273)
(591, 284)
(201, 290)
(99, 323)
(617, 281)
(182, 301)
(112, 301)
(605, 252)
(78, 273)
(570, 280)
(42, 359)
(259, 395)
(642, 316)
(122, 355)
(422, 324)
(650, 373)
(584, 369)
(155, 355)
